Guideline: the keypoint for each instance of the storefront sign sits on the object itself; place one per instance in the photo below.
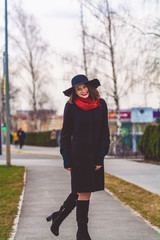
(123, 115)
(156, 114)
(142, 115)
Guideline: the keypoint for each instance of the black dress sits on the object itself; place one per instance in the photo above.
(84, 143)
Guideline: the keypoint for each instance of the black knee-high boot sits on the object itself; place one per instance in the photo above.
(82, 220)
(58, 217)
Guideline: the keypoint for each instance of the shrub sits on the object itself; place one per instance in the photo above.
(40, 139)
(150, 142)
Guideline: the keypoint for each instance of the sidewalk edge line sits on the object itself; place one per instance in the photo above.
(34, 153)
(134, 212)
(16, 220)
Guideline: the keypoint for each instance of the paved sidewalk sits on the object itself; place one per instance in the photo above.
(46, 189)
(45, 151)
(144, 175)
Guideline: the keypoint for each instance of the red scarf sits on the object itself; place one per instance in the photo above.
(87, 103)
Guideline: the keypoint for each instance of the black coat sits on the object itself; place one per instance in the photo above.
(84, 143)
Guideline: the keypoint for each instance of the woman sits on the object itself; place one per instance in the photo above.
(84, 143)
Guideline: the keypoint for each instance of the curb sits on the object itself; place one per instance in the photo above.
(31, 153)
(16, 220)
(133, 211)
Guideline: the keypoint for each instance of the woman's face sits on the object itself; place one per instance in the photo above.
(82, 90)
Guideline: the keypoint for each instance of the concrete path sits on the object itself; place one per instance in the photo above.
(48, 151)
(46, 189)
(47, 186)
(142, 174)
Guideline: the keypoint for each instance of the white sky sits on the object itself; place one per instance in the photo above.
(59, 21)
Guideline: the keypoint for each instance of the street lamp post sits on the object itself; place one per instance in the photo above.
(0, 136)
(8, 155)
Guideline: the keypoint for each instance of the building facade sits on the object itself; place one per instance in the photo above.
(133, 122)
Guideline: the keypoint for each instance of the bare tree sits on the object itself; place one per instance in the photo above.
(85, 62)
(13, 93)
(118, 48)
(83, 41)
(106, 40)
(152, 56)
(31, 59)
(147, 31)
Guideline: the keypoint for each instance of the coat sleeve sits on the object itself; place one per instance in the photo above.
(105, 140)
(66, 136)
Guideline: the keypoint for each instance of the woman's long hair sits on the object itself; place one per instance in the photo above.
(93, 94)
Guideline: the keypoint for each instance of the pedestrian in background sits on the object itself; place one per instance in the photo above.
(53, 137)
(21, 137)
(15, 139)
(11, 138)
(84, 144)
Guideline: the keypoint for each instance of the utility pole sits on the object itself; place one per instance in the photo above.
(8, 155)
(0, 116)
(0, 135)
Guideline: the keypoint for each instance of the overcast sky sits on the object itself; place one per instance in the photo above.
(59, 21)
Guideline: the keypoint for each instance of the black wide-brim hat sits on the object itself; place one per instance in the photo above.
(81, 79)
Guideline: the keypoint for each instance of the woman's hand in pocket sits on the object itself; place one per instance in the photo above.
(69, 169)
(97, 167)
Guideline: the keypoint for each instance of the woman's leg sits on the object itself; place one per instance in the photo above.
(82, 216)
(84, 196)
(58, 217)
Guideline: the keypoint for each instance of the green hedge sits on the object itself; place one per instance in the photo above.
(40, 139)
(150, 142)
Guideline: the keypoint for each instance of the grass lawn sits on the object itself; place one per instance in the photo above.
(139, 199)
(11, 185)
